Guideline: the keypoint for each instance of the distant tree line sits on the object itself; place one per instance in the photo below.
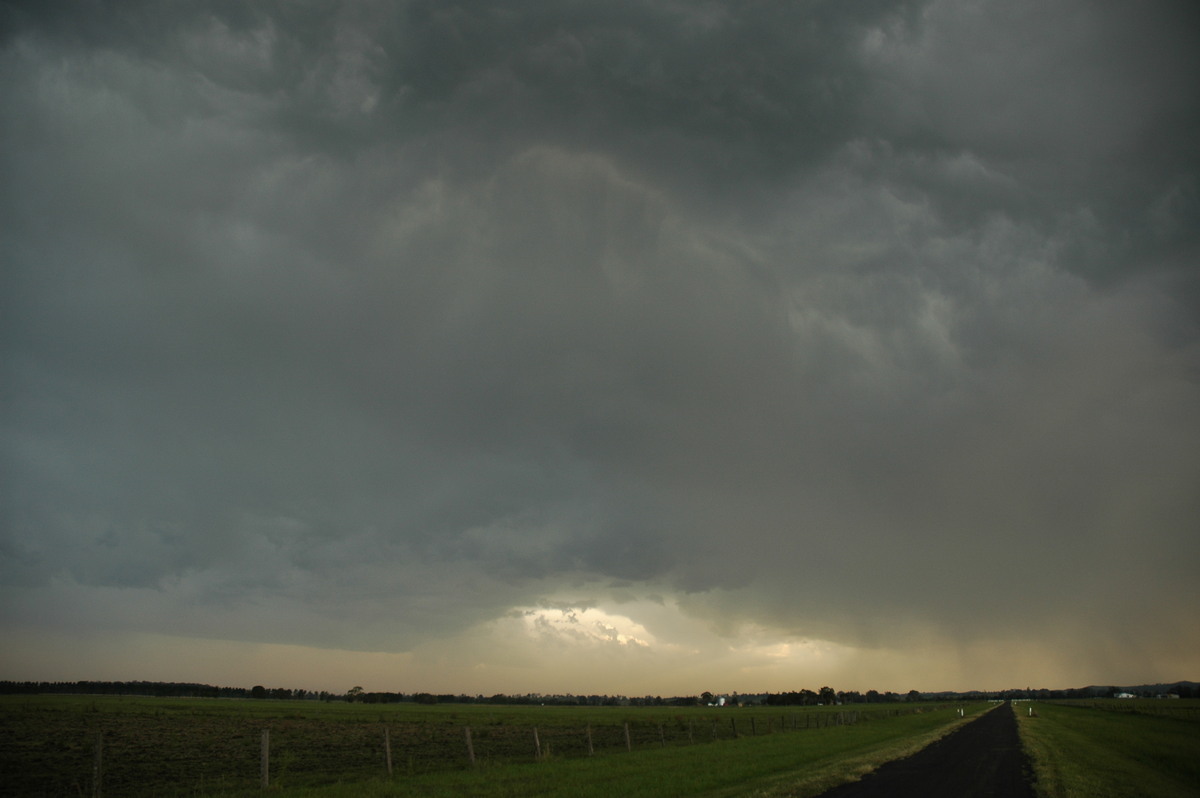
(354, 694)
(825, 696)
(155, 689)
(526, 699)
(828, 696)
(1180, 689)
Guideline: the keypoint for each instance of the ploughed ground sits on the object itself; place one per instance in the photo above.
(982, 759)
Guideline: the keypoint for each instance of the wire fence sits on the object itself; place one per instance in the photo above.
(58, 753)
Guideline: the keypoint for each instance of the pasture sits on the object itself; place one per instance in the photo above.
(1113, 747)
(66, 745)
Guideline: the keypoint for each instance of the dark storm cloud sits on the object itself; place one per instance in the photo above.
(831, 317)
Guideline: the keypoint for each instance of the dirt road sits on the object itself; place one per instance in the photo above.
(983, 759)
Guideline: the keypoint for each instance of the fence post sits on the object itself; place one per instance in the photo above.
(387, 749)
(662, 736)
(265, 763)
(733, 726)
(691, 738)
(628, 744)
(97, 763)
(537, 743)
(753, 727)
(470, 745)
(589, 739)
(714, 729)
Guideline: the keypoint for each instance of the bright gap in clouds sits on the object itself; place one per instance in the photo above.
(585, 626)
(650, 646)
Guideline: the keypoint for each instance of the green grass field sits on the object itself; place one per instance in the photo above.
(167, 747)
(1123, 749)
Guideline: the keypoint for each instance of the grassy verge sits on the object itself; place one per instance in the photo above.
(794, 765)
(1083, 752)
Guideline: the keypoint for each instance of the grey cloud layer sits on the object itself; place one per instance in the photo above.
(830, 318)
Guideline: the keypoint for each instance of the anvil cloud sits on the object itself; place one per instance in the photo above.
(600, 347)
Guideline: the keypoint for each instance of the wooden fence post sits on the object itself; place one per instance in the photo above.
(537, 743)
(714, 729)
(733, 726)
(265, 763)
(470, 746)
(589, 739)
(628, 744)
(691, 738)
(387, 749)
(97, 764)
(662, 736)
(753, 727)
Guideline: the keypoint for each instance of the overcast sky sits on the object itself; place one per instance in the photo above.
(600, 347)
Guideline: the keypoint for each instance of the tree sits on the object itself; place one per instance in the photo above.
(914, 695)
(258, 691)
(827, 696)
(354, 693)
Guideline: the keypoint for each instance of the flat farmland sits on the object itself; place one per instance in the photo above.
(1123, 748)
(60, 745)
